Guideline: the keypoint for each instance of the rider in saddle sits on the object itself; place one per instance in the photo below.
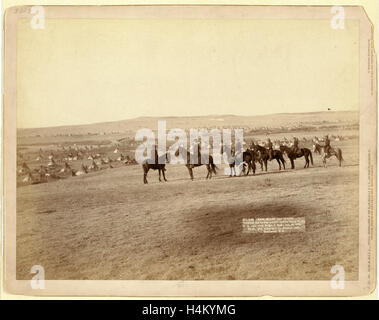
(327, 146)
(270, 149)
(295, 146)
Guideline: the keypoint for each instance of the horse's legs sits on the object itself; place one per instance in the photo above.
(324, 160)
(248, 167)
(190, 172)
(292, 163)
(306, 161)
(283, 162)
(209, 174)
(338, 158)
(145, 175)
(159, 171)
(280, 167)
(164, 175)
(265, 162)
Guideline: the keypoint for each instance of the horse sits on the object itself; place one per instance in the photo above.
(303, 152)
(211, 167)
(258, 159)
(317, 148)
(161, 167)
(248, 158)
(264, 156)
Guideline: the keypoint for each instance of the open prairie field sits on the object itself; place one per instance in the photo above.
(109, 225)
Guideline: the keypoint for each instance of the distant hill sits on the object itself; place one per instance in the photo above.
(130, 126)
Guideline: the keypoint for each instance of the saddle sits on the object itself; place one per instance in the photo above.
(328, 150)
(297, 152)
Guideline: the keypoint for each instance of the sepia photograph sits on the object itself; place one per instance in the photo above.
(190, 150)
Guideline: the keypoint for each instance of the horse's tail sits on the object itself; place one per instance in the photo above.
(340, 155)
(310, 154)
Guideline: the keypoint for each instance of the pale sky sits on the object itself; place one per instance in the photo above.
(86, 71)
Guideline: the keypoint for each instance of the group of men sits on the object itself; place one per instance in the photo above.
(295, 146)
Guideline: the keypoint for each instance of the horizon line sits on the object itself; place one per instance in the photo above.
(197, 116)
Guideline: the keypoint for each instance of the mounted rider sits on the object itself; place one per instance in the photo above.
(295, 147)
(270, 148)
(327, 146)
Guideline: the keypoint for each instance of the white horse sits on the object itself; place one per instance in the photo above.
(317, 148)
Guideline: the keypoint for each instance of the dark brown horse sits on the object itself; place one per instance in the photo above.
(292, 155)
(161, 167)
(264, 156)
(249, 157)
(211, 167)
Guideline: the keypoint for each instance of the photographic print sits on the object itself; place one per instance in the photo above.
(190, 150)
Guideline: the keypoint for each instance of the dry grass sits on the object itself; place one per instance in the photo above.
(108, 225)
